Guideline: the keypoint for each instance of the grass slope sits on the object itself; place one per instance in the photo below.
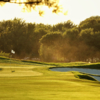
(44, 84)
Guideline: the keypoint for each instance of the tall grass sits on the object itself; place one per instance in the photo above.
(3, 54)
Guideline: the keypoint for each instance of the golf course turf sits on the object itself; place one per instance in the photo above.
(27, 80)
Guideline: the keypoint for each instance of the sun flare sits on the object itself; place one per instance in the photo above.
(74, 10)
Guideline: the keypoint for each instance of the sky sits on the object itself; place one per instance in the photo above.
(77, 11)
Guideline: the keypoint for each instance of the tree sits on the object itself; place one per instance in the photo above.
(92, 22)
(51, 45)
(22, 37)
(37, 35)
(64, 26)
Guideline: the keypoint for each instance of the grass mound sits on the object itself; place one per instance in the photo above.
(83, 76)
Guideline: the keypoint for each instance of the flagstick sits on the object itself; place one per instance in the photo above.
(10, 62)
(12, 52)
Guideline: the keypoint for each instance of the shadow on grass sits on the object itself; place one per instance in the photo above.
(4, 58)
(1, 69)
(37, 62)
(28, 61)
(86, 77)
(83, 76)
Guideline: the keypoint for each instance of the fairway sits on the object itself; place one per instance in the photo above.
(34, 81)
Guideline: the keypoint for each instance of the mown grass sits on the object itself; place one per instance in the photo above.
(47, 86)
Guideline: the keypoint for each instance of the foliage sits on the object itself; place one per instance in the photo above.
(63, 42)
(3, 54)
(92, 22)
(50, 46)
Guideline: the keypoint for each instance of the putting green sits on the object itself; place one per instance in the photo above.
(18, 71)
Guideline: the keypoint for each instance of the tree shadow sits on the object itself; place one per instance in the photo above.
(1, 69)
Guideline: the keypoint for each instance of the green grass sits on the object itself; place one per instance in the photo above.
(34, 81)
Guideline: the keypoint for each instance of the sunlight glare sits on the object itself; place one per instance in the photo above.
(74, 10)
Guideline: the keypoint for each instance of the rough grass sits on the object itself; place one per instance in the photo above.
(47, 86)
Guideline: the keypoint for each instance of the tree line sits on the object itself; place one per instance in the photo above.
(63, 42)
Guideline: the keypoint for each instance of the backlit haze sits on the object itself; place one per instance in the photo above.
(74, 10)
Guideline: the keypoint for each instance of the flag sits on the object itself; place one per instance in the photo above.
(12, 51)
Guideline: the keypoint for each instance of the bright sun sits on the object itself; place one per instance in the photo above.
(74, 10)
